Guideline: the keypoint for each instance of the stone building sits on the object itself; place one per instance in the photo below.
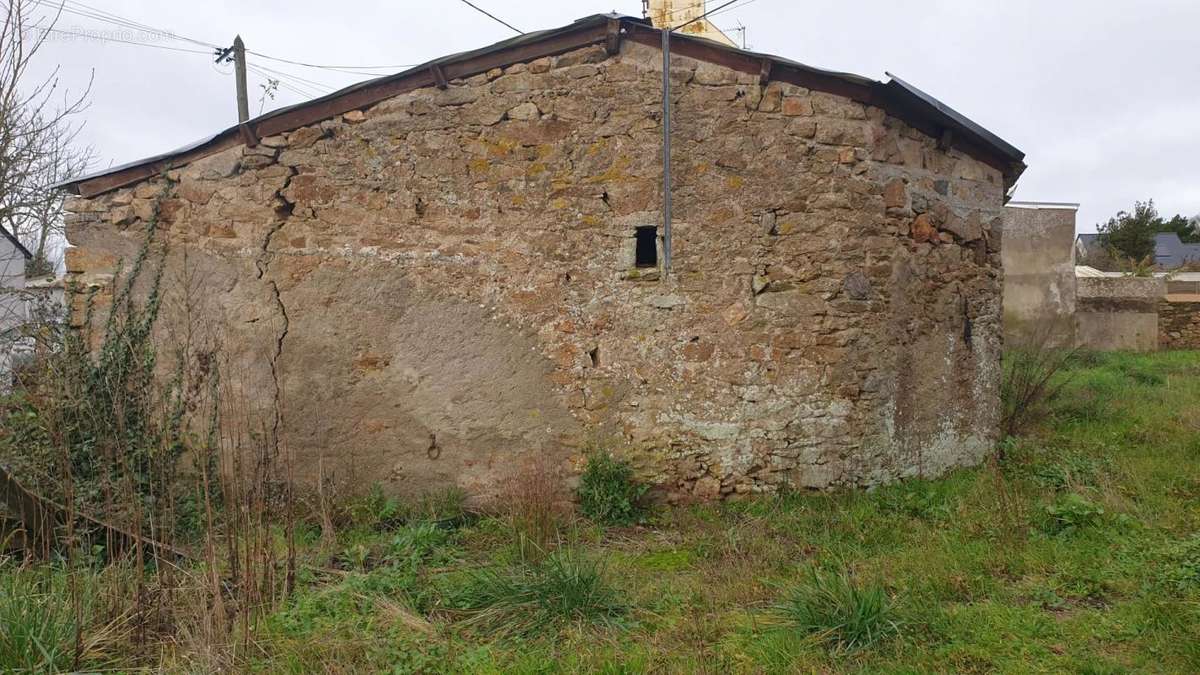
(449, 271)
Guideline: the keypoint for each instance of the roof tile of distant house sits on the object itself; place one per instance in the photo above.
(1170, 251)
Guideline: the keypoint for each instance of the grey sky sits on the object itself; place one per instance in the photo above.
(1103, 97)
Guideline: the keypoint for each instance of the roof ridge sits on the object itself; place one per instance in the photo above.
(899, 98)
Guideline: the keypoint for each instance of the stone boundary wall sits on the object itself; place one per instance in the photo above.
(443, 286)
(1179, 323)
(1118, 313)
(1039, 273)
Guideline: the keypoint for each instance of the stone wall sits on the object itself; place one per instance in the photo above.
(1179, 323)
(1039, 273)
(442, 285)
(1118, 313)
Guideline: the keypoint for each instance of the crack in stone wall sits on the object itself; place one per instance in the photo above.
(284, 209)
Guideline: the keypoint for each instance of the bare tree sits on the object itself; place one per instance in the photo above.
(38, 136)
(37, 150)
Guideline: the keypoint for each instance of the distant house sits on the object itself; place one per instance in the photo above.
(12, 300)
(1169, 250)
(1087, 247)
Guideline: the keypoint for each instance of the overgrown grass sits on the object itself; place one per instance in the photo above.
(53, 619)
(845, 614)
(38, 619)
(1079, 552)
(565, 588)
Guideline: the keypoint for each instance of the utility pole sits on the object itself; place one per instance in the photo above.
(239, 65)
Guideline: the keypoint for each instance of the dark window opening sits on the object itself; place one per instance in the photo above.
(646, 253)
(594, 355)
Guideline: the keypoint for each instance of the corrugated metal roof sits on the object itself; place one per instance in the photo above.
(895, 92)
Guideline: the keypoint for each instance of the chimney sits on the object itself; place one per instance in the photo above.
(675, 13)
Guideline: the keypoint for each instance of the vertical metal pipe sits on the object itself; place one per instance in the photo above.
(666, 190)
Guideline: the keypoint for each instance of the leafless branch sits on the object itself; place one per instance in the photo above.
(38, 134)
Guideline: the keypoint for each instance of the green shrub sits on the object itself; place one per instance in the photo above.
(608, 492)
(844, 615)
(1071, 512)
(525, 599)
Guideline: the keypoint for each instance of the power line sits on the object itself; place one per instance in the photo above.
(678, 10)
(86, 11)
(705, 15)
(285, 83)
(126, 42)
(303, 87)
(307, 87)
(719, 10)
(96, 14)
(302, 80)
(352, 70)
(722, 11)
(493, 17)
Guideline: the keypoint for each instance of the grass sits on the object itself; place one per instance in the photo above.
(1080, 552)
(39, 624)
(838, 611)
(52, 618)
(527, 599)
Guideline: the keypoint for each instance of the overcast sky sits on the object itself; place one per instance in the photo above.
(1102, 96)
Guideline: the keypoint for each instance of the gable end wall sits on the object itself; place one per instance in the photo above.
(441, 286)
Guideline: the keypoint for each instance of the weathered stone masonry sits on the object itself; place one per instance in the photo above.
(1179, 324)
(442, 284)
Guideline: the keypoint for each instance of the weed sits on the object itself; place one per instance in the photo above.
(1032, 379)
(376, 510)
(416, 543)
(447, 506)
(1069, 470)
(921, 499)
(844, 615)
(1181, 565)
(608, 492)
(526, 599)
(357, 557)
(1142, 374)
(1070, 512)
(528, 502)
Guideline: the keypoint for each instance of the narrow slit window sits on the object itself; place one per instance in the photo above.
(646, 253)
